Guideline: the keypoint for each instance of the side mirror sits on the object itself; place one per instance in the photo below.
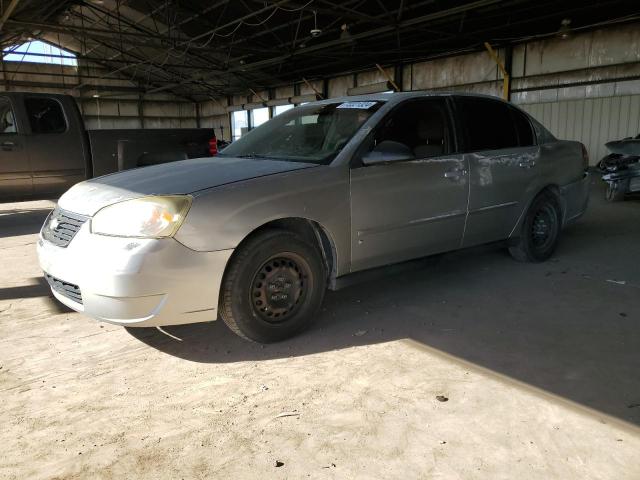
(386, 152)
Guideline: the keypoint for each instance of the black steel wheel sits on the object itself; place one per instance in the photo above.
(544, 226)
(540, 230)
(279, 287)
(273, 287)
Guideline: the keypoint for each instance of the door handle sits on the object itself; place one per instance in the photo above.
(454, 174)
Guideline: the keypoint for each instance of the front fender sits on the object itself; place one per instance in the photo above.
(220, 218)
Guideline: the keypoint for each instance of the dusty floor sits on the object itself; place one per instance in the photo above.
(540, 365)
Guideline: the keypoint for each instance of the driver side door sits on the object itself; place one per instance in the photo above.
(408, 209)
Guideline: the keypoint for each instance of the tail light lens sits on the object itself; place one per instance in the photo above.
(585, 157)
(213, 146)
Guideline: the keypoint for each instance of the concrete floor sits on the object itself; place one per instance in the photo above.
(540, 365)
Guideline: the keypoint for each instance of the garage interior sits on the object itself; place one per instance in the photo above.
(475, 367)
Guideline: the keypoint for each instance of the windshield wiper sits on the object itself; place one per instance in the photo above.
(252, 155)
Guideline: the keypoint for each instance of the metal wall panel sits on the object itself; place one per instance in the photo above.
(592, 121)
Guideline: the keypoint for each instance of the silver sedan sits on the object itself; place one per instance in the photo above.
(256, 235)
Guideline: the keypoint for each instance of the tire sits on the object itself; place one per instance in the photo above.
(615, 192)
(540, 230)
(273, 287)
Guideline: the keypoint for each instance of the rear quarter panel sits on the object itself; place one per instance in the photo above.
(563, 161)
(560, 166)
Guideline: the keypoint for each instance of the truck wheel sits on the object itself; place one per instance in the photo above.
(615, 192)
(540, 230)
(273, 287)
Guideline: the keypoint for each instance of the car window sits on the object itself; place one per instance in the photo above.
(421, 125)
(45, 115)
(487, 124)
(313, 133)
(523, 127)
(7, 118)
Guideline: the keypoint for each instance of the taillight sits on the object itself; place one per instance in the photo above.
(213, 146)
(585, 157)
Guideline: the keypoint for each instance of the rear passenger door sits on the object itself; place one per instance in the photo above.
(500, 146)
(56, 151)
(15, 171)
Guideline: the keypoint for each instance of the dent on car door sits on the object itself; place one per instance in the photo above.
(503, 160)
(56, 150)
(15, 172)
(408, 208)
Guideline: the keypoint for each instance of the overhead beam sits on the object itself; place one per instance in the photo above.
(182, 43)
(369, 33)
(307, 17)
(56, 27)
(114, 88)
(78, 56)
(7, 13)
(354, 14)
(165, 49)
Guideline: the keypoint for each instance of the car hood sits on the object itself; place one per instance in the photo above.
(174, 178)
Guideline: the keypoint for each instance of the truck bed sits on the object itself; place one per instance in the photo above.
(113, 150)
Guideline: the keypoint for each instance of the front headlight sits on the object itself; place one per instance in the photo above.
(147, 217)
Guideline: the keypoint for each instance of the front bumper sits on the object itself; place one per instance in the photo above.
(136, 282)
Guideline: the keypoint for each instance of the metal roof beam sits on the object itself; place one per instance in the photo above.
(7, 13)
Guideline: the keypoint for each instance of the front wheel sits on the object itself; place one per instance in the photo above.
(273, 287)
(540, 230)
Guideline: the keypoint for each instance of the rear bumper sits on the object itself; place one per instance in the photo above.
(135, 282)
(626, 181)
(576, 198)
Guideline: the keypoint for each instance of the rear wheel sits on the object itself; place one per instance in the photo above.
(540, 230)
(273, 287)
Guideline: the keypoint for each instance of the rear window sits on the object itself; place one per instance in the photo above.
(488, 124)
(523, 127)
(45, 115)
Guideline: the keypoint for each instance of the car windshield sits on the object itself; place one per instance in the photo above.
(309, 133)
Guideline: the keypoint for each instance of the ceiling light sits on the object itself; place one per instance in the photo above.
(345, 36)
(565, 30)
(315, 31)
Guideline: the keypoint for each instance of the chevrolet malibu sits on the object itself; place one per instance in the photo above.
(328, 189)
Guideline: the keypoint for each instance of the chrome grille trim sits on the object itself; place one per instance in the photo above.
(66, 225)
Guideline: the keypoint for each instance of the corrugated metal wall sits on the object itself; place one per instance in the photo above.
(592, 121)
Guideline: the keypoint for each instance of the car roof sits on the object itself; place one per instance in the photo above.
(400, 96)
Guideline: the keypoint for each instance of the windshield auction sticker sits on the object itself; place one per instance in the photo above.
(358, 105)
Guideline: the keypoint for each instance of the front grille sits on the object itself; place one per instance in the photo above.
(65, 289)
(61, 226)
